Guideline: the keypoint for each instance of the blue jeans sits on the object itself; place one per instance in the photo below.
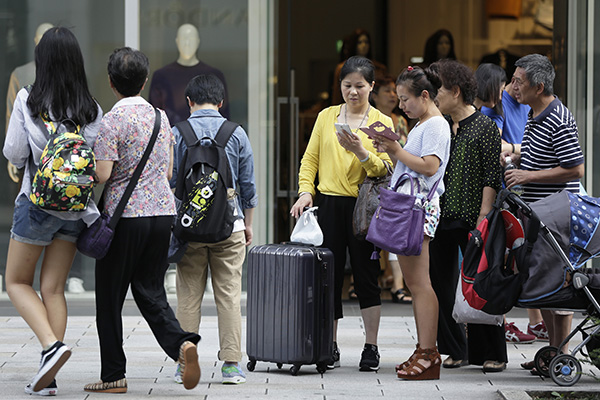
(33, 225)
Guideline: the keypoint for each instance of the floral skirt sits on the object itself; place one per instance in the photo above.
(432, 208)
(432, 216)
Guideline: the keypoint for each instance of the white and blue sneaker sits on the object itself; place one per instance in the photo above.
(52, 360)
(178, 375)
(232, 374)
(50, 390)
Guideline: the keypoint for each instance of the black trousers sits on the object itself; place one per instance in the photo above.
(484, 342)
(335, 220)
(137, 256)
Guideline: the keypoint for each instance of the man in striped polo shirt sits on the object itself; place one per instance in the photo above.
(551, 158)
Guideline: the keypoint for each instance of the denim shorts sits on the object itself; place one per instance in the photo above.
(33, 225)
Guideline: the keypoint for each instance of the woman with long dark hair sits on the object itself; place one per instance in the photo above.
(491, 81)
(60, 92)
(439, 46)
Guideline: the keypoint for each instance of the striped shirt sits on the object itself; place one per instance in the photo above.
(550, 140)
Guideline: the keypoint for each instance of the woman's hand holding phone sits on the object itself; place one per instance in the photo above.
(344, 129)
(350, 141)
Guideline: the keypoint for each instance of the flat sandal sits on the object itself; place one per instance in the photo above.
(452, 363)
(119, 386)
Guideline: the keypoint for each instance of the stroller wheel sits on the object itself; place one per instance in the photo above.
(565, 370)
(542, 359)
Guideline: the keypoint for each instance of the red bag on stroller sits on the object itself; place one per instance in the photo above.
(489, 282)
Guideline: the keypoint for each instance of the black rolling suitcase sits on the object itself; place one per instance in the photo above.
(290, 306)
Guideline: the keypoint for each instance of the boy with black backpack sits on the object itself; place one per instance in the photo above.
(214, 175)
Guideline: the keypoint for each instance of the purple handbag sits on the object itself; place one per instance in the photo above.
(94, 241)
(397, 225)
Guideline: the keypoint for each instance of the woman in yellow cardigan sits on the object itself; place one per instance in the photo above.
(342, 161)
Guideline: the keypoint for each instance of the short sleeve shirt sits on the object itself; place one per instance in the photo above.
(474, 164)
(551, 139)
(431, 137)
(123, 137)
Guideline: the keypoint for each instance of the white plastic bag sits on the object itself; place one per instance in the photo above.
(464, 313)
(307, 229)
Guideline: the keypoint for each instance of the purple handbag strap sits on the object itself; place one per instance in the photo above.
(412, 191)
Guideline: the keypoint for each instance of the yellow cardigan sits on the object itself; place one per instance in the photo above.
(340, 171)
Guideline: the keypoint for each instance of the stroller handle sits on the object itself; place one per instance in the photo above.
(515, 200)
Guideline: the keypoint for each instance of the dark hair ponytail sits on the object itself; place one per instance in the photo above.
(417, 80)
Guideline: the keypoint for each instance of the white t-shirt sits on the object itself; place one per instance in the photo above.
(431, 137)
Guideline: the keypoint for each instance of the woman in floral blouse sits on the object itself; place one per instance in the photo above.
(138, 252)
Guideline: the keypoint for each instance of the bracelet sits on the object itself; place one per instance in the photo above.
(303, 193)
(366, 158)
(513, 148)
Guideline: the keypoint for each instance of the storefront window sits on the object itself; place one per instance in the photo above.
(222, 28)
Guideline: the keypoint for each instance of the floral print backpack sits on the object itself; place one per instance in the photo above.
(66, 173)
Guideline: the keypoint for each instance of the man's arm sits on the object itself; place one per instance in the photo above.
(553, 175)
(248, 215)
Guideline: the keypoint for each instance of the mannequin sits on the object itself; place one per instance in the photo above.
(168, 83)
(20, 77)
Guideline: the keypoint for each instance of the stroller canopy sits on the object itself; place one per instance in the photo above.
(573, 221)
(584, 240)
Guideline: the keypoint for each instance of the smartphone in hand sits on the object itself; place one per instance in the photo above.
(378, 128)
(344, 129)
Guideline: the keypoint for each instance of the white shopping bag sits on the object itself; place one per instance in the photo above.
(464, 313)
(307, 229)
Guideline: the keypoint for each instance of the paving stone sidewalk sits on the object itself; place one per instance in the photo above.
(149, 371)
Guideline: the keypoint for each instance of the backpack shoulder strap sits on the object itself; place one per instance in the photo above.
(225, 132)
(222, 137)
(187, 132)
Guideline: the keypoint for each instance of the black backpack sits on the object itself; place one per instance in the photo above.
(206, 214)
(488, 280)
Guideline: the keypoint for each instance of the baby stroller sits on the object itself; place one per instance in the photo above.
(554, 274)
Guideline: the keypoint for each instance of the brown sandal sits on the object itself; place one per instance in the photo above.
(406, 363)
(416, 371)
(188, 358)
(119, 386)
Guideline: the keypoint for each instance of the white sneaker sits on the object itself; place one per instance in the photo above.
(52, 360)
(75, 285)
(50, 390)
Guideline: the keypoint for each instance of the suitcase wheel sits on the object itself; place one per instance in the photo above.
(294, 369)
(321, 368)
(279, 365)
(251, 364)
